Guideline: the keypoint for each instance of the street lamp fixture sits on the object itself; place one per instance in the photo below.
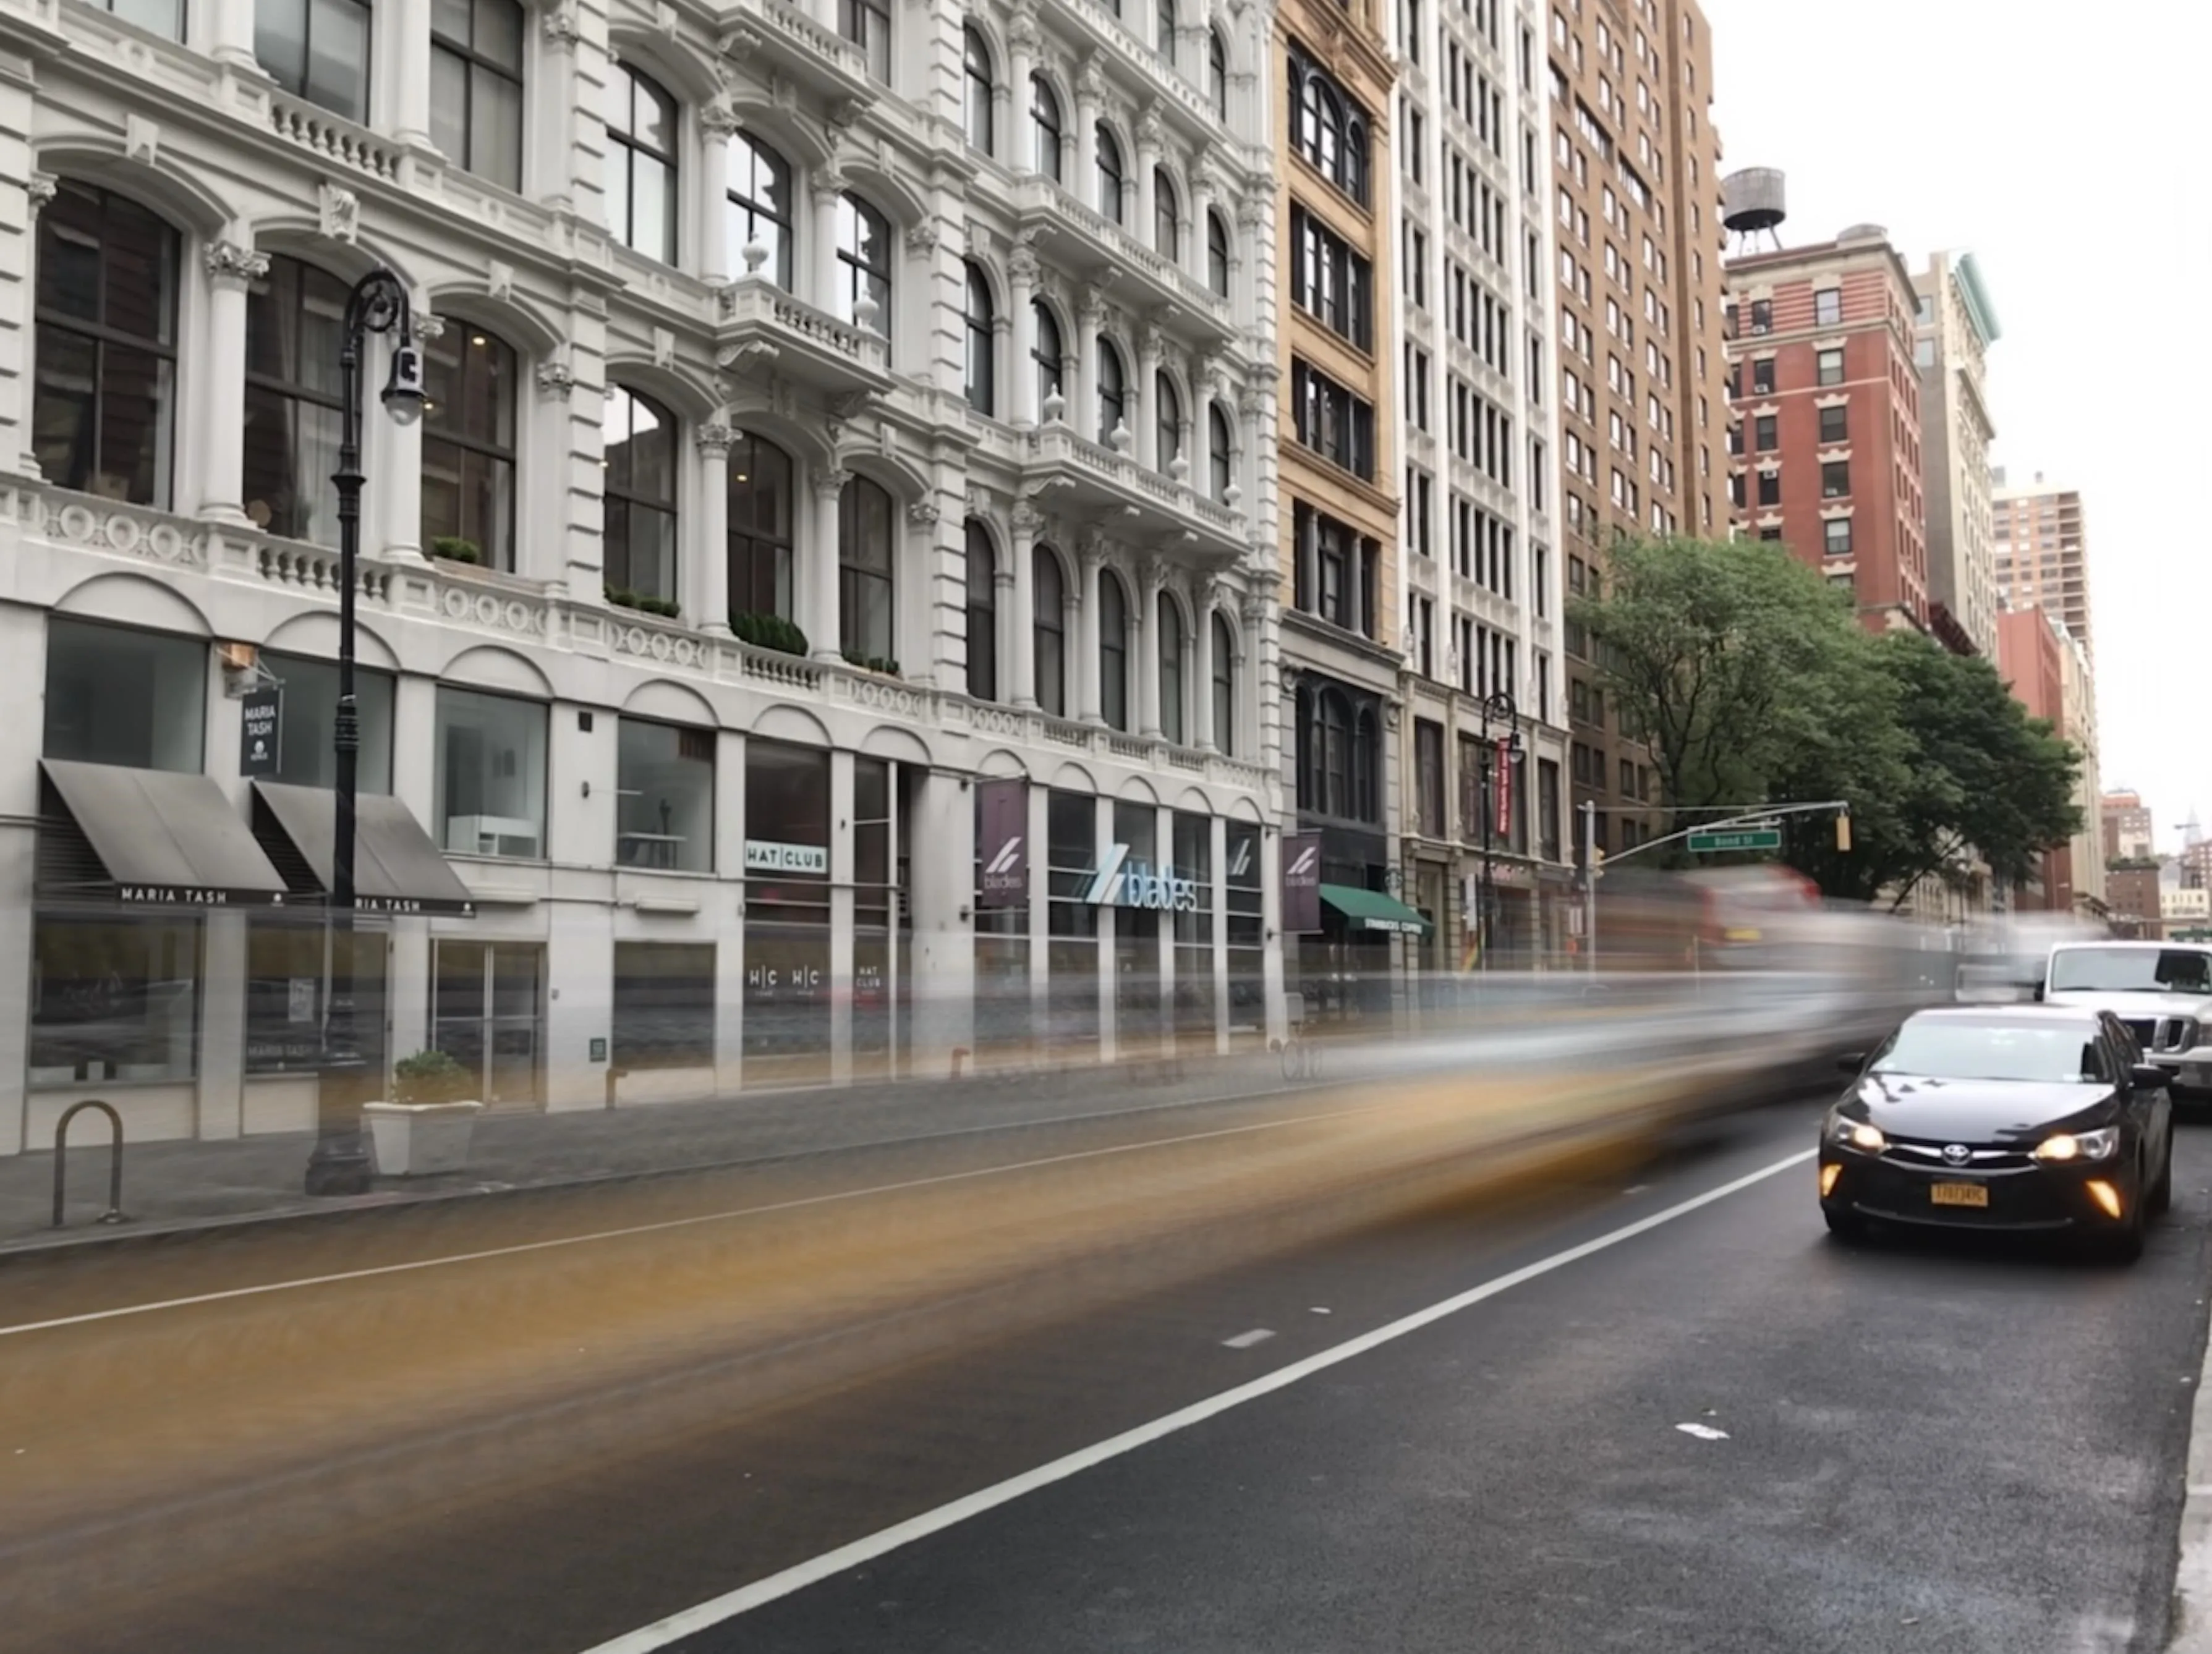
(377, 304)
(1502, 755)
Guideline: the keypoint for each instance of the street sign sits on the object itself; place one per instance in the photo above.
(1715, 843)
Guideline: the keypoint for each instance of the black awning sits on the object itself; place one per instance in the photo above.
(148, 837)
(395, 867)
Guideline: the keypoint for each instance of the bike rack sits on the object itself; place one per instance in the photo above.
(114, 1212)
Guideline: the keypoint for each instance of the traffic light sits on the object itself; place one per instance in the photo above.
(1844, 833)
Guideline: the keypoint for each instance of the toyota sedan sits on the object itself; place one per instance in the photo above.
(2023, 1118)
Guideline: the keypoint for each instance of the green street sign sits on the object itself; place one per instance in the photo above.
(1713, 843)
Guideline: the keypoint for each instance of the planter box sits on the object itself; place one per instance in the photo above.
(413, 1139)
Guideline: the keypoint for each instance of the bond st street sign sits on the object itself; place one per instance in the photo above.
(1121, 882)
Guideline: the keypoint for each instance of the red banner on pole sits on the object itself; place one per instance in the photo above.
(1501, 787)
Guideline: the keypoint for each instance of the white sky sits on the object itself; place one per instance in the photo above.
(2061, 145)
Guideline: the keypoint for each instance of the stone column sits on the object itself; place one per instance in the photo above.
(1083, 398)
(1090, 92)
(231, 270)
(1146, 447)
(820, 282)
(1198, 730)
(1204, 186)
(717, 264)
(1148, 166)
(407, 25)
(230, 35)
(1093, 557)
(712, 580)
(1150, 584)
(1021, 295)
(1021, 659)
(550, 162)
(1021, 64)
(817, 564)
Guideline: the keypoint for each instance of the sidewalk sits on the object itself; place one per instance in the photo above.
(187, 1184)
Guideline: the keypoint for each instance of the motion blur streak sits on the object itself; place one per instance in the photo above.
(305, 1388)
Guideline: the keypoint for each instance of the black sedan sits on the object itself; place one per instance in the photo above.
(2013, 1118)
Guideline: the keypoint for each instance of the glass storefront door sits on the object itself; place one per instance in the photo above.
(487, 1013)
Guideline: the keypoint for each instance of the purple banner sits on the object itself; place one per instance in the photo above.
(1301, 883)
(1003, 843)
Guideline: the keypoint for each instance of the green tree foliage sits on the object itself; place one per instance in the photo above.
(1752, 682)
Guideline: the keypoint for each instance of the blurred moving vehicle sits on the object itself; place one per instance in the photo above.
(2162, 991)
(2019, 1118)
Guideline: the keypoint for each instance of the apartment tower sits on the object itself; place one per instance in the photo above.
(1955, 327)
(2042, 552)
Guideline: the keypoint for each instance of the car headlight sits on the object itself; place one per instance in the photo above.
(1866, 1138)
(2096, 1145)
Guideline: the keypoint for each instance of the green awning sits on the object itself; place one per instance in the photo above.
(1370, 909)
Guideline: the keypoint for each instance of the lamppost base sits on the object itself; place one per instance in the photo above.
(340, 1169)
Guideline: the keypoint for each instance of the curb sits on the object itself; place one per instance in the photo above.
(2191, 1629)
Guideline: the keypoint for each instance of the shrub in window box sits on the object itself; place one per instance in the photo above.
(769, 632)
(872, 662)
(427, 1125)
(454, 550)
(624, 597)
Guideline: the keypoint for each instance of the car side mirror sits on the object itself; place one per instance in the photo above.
(1851, 1062)
(2145, 1077)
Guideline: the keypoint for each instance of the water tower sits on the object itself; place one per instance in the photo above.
(1754, 202)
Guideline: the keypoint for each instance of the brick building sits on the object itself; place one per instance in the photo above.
(2031, 655)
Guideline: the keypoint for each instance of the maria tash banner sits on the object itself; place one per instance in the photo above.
(1003, 843)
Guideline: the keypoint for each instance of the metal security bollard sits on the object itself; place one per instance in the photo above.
(114, 1212)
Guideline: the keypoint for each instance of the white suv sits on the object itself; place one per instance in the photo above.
(2162, 991)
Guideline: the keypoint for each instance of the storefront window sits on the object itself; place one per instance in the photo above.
(114, 1000)
(788, 990)
(664, 1005)
(1002, 964)
(1071, 961)
(1247, 930)
(118, 696)
(663, 796)
(875, 904)
(491, 774)
(307, 727)
(287, 966)
(1194, 931)
(1137, 998)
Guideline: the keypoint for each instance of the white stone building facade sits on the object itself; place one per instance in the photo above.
(832, 407)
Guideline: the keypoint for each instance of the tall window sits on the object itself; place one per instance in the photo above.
(104, 409)
(864, 260)
(982, 344)
(1045, 127)
(1330, 280)
(476, 86)
(983, 614)
(760, 207)
(1328, 128)
(317, 50)
(1109, 174)
(468, 446)
(1050, 355)
(1113, 391)
(867, 25)
(1167, 220)
(1217, 253)
(1170, 420)
(1113, 650)
(864, 571)
(295, 328)
(1225, 684)
(162, 17)
(639, 541)
(976, 67)
(1171, 651)
(1331, 422)
(1221, 453)
(1049, 600)
(1828, 306)
(1164, 28)
(760, 527)
(641, 164)
(1216, 72)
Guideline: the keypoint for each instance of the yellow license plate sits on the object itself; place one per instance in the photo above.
(1958, 1194)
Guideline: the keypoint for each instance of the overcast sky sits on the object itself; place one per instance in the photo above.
(2061, 146)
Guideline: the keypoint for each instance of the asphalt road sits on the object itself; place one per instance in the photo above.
(1925, 1446)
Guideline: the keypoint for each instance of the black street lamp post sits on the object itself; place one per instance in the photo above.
(377, 304)
(1497, 708)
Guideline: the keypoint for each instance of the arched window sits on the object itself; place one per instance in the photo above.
(982, 344)
(760, 207)
(867, 25)
(104, 412)
(295, 328)
(1328, 128)
(641, 164)
(761, 510)
(865, 589)
(983, 614)
(1335, 750)
(1109, 174)
(1169, 434)
(1170, 624)
(1167, 220)
(1164, 27)
(1217, 253)
(1366, 743)
(1221, 453)
(1216, 72)
(976, 67)
(1113, 650)
(1050, 355)
(639, 540)
(864, 261)
(476, 86)
(1045, 127)
(468, 445)
(1048, 599)
(1225, 684)
(1113, 391)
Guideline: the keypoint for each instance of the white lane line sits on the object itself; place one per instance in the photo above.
(666, 1224)
(1702, 1432)
(1246, 1340)
(746, 1598)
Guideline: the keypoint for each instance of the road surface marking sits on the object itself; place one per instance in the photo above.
(1246, 1340)
(1702, 1432)
(728, 1606)
(667, 1224)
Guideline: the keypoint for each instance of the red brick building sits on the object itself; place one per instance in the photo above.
(2029, 659)
(1825, 401)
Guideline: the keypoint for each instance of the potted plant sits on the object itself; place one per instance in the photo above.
(426, 1126)
(455, 549)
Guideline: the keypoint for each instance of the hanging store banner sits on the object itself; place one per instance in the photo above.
(1301, 883)
(1003, 843)
(1501, 787)
(261, 719)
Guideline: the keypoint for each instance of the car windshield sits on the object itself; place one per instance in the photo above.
(1949, 1050)
(2131, 970)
